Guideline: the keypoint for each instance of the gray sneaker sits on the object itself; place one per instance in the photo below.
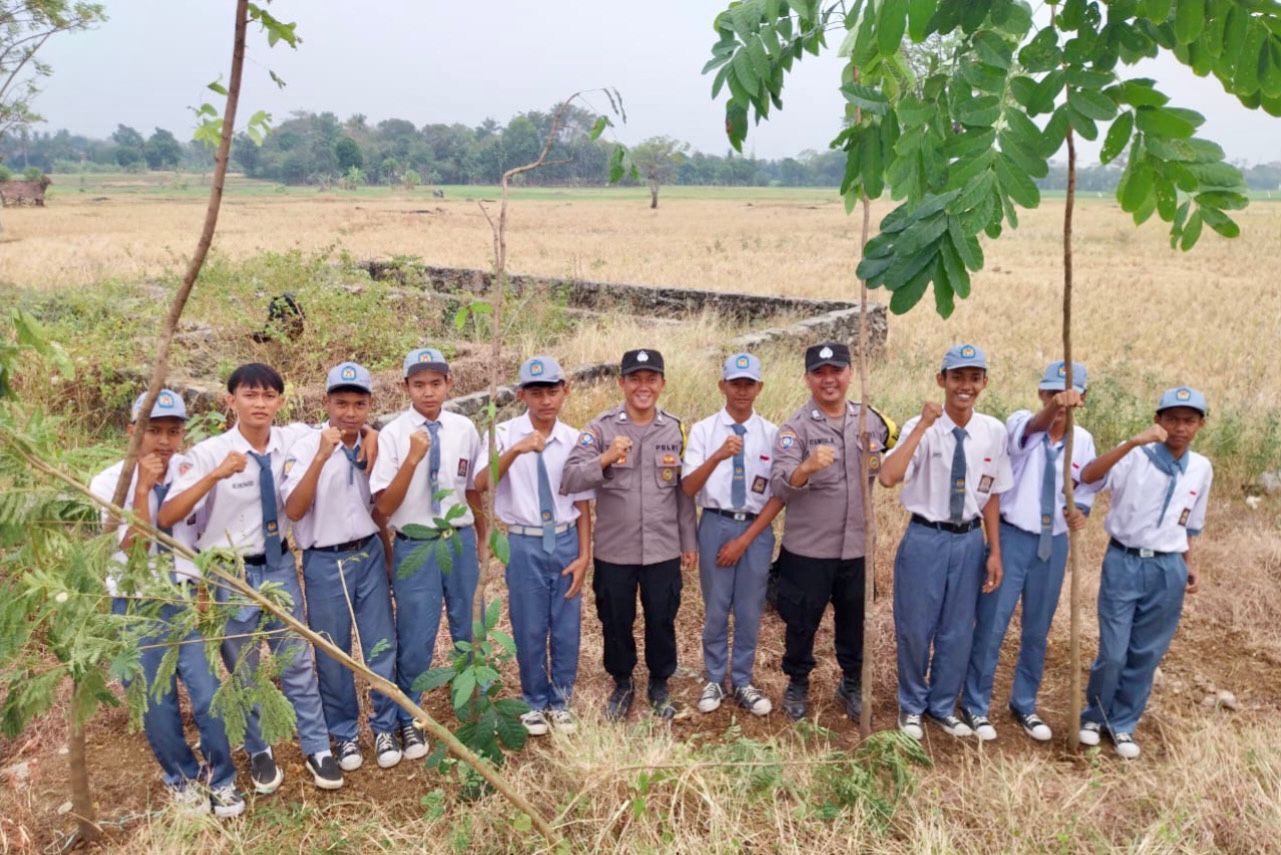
(386, 751)
(750, 698)
(349, 756)
(226, 802)
(710, 700)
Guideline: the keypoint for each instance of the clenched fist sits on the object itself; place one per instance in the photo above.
(151, 471)
(419, 445)
(329, 439)
(534, 442)
(930, 412)
(232, 464)
(823, 457)
(617, 451)
(732, 445)
(1067, 399)
(1154, 433)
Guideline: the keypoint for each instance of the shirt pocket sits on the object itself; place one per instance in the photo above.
(667, 473)
(622, 475)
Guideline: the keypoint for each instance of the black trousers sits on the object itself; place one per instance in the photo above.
(615, 586)
(805, 587)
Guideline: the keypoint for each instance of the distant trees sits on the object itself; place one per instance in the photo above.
(658, 159)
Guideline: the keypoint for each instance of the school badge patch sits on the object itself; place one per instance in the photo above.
(348, 372)
(786, 439)
(967, 351)
(1183, 394)
(741, 362)
(289, 465)
(463, 466)
(758, 484)
(985, 484)
(535, 368)
(1183, 517)
(586, 440)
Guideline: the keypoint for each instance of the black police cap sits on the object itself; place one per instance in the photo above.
(827, 353)
(642, 360)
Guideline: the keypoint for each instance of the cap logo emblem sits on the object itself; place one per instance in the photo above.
(1062, 370)
(1183, 395)
(642, 357)
(348, 372)
(165, 400)
(424, 356)
(967, 351)
(536, 368)
(825, 353)
(741, 362)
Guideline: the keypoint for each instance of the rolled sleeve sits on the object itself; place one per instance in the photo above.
(583, 471)
(1196, 520)
(915, 461)
(391, 451)
(202, 463)
(788, 453)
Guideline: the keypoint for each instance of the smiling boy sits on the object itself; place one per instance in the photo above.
(954, 465)
(1160, 491)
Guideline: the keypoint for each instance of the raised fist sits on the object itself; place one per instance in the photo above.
(732, 445)
(232, 464)
(419, 445)
(930, 412)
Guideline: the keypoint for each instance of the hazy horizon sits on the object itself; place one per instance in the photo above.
(431, 62)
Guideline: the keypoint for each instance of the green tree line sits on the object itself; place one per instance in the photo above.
(321, 149)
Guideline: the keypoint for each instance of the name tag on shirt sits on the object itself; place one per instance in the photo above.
(462, 468)
(985, 484)
(759, 483)
(1183, 517)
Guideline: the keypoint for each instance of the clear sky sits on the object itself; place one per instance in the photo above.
(432, 61)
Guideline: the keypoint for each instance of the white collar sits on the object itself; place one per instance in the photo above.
(240, 443)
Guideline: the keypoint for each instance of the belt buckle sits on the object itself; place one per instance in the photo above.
(1147, 553)
(739, 516)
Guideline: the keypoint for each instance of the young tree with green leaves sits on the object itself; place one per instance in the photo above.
(657, 160)
(959, 142)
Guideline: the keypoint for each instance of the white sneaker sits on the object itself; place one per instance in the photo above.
(952, 726)
(563, 721)
(386, 751)
(1033, 726)
(349, 756)
(1125, 746)
(910, 723)
(190, 799)
(980, 724)
(713, 694)
(1089, 733)
(750, 698)
(226, 802)
(535, 722)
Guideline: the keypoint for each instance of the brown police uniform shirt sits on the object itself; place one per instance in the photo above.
(825, 517)
(642, 515)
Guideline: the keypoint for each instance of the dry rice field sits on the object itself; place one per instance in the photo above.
(1146, 316)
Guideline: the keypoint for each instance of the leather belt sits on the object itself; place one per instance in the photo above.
(737, 516)
(1141, 553)
(954, 528)
(261, 558)
(349, 546)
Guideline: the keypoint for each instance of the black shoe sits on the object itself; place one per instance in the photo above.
(620, 700)
(660, 699)
(325, 772)
(796, 700)
(413, 742)
(849, 694)
(267, 776)
(349, 756)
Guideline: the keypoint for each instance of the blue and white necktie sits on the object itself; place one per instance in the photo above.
(267, 496)
(1164, 461)
(956, 506)
(433, 464)
(1049, 480)
(353, 454)
(546, 506)
(160, 491)
(738, 485)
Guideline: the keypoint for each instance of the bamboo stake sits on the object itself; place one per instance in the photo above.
(1074, 596)
(869, 507)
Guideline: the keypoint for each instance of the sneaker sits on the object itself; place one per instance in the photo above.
(952, 726)
(266, 775)
(226, 802)
(849, 696)
(349, 757)
(620, 701)
(796, 699)
(1033, 726)
(980, 724)
(535, 722)
(1089, 733)
(324, 770)
(413, 742)
(189, 798)
(563, 721)
(710, 700)
(1125, 746)
(386, 750)
(750, 698)
(660, 700)
(910, 723)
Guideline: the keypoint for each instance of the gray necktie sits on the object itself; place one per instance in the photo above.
(738, 486)
(957, 505)
(433, 464)
(546, 506)
(1045, 545)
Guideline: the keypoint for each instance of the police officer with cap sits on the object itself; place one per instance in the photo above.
(818, 472)
(645, 527)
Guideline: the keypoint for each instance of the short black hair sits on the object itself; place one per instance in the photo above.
(360, 390)
(255, 375)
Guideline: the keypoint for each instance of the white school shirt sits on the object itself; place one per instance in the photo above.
(1138, 491)
(758, 450)
(233, 508)
(103, 486)
(340, 511)
(459, 456)
(516, 501)
(1021, 504)
(927, 485)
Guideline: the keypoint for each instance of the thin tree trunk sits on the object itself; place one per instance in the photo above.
(653, 195)
(869, 506)
(82, 807)
(233, 582)
(1074, 656)
(81, 798)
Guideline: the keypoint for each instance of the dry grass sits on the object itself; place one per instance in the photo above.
(1210, 780)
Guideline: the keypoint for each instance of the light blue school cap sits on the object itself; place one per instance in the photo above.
(540, 369)
(1182, 396)
(741, 365)
(964, 356)
(168, 405)
(349, 374)
(1055, 379)
(425, 359)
